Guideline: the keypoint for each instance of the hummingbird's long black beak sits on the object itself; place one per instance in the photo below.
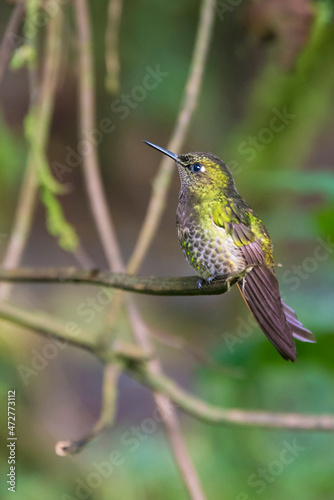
(164, 151)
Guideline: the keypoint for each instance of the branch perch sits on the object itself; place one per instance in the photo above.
(148, 285)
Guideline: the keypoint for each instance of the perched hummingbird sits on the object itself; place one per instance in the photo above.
(220, 235)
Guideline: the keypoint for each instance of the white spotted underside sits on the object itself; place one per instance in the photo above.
(210, 251)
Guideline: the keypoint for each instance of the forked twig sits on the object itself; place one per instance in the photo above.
(147, 285)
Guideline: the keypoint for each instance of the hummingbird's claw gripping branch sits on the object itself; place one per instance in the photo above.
(230, 279)
(202, 281)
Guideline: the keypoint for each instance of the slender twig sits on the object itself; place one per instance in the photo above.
(107, 416)
(147, 285)
(113, 65)
(21, 226)
(48, 326)
(162, 180)
(171, 421)
(8, 42)
(42, 112)
(196, 352)
(93, 180)
(135, 362)
(209, 413)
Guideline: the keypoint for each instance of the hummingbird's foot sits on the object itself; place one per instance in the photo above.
(228, 282)
(200, 283)
(203, 281)
(233, 277)
(239, 275)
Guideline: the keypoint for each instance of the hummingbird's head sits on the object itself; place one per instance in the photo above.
(202, 174)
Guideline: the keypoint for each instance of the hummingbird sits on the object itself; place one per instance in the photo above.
(221, 236)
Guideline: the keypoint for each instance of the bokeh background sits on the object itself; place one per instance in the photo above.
(267, 59)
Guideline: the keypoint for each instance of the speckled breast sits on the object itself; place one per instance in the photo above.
(208, 249)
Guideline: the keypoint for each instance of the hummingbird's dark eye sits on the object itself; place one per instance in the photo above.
(196, 167)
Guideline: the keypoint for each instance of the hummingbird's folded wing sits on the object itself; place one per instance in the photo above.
(261, 284)
(261, 293)
(260, 288)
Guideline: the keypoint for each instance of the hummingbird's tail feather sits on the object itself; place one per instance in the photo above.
(298, 330)
(261, 293)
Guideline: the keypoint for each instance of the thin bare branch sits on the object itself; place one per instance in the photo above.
(70, 333)
(196, 352)
(46, 325)
(107, 416)
(163, 178)
(93, 180)
(113, 65)
(171, 421)
(209, 413)
(22, 225)
(8, 42)
(147, 285)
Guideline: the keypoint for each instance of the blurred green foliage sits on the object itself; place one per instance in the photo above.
(287, 177)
